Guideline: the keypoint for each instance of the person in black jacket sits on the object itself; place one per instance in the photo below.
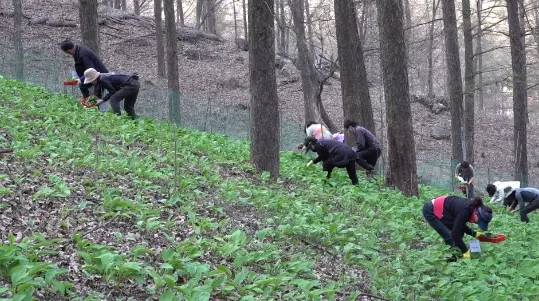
(367, 146)
(448, 215)
(119, 86)
(333, 154)
(84, 59)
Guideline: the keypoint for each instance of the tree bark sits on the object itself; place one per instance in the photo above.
(172, 62)
(454, 77)
(117, 4)
(479, 56)
(265, 123)
(520, 95)
(402, 172)
(522, 20)
(309, 29)
(136, 7)
(211, 18)
(354, 84)
(89, 26)
(282, 24)
(198, 16)
(235, 20)
(469, 105)
(159, 38)
(17, 40)
(430, 81)
(181, 18)
(305, 64)
(124, 4)
(245, 36)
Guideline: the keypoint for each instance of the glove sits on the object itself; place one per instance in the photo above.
(479, 234)
(78, 81)
(467, 255)
(310, 163)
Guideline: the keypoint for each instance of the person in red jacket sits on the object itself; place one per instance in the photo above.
(448, 215)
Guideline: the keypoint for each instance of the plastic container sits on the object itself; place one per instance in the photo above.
(84, 103)
(498, 238)
(71, 82)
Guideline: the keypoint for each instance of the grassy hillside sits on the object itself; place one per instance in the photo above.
(90, 210)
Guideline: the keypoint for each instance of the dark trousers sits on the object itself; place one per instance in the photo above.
(350, 169)
(128, 93)
(436, 224)
(367, 158)
(529, 208)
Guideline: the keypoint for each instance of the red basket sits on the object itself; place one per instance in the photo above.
(497, 239)
(300, 147)
(84, 103)
(461, 187)
(72, 82)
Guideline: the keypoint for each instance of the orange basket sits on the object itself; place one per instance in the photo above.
(72, 82)
(496, 239)
(84, 103)
(461, 187)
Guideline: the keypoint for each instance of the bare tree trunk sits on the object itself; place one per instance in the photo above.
(407, 14)
(309, 29)
(209, 17)
(287, 37)
(181, 19)
(136, 7)
(198, 17)
(17, 40)
(479, 57)
(469, 105)
(402, 159)
(124, 4)
(117, 4)
(89, 26)
(430, 82)
(265, 123)
(235, 20)
(354, 84)
(284, 30)
(454, 77)
(304, 60)
(363, 22)
(159, 38)
(172, 62)
(520, 96)
(245, 19)
(277, 27)
(105, 2)
(522, 20)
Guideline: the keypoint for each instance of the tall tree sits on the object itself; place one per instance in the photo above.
(235, 20)
(157, 10)
(265, 127)
(402, 164)
(305, 62)
(117, 4)
(520, 95)
(245, 18)
(89, 26)
(479, 55)
(172, 62)
(282, 25)
(136, 7)
(124, 4)
(430, 81)
(309, 28)
(17, 40)
(210, 18)
(454, 78)
(469, 105)
(354, 84)
(180, 15)
(522, 16)
(198, 17)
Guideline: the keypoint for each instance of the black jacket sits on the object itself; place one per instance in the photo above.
(112, 82)
(86, 59)
(457, 212)
(333, 153)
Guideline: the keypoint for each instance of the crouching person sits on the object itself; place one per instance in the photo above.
(527, 200)
(119, 87)
(448, 215)
(333, 154)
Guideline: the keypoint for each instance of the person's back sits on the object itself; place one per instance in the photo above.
(85, 59)
(115, 80)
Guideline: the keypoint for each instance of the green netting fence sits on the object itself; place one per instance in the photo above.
(204, 113)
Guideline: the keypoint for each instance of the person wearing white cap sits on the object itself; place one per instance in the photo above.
(495, 190)
(119, 86)
(521, 196)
